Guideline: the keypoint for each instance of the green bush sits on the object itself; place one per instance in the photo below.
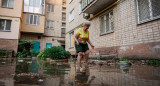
(56, 52)
(21, 54)
(5, 53)
(1, 53)
(24, 48)
(154, 62)
(34, 54)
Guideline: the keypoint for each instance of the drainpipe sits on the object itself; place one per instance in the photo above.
(104, 10)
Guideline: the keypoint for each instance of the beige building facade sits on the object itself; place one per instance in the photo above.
(10, 23)
(48, 32)
(40, 21)
(118, 27)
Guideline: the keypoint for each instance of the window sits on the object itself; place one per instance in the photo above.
(106, 25)
(89, 1)
(32, 19)
(48, 45)
(63, 17)
(84, 4)
(63, 24)
(71, 37)
(50, 8)
(33, 3)
(63, 9)
(8, 3)
(71, 15)
(80, 7)
(70, 1)
(34, 6)
(43, 6)
(148, 10)
(5, 25)
(49, 24)
(64, 2)
(63, 32)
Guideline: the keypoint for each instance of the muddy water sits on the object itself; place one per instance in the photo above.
(35, 72)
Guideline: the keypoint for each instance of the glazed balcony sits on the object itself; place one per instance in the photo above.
(32, 23)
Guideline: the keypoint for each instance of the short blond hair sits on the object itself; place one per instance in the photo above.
(86, 23)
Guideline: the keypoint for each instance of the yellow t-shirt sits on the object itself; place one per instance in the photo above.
(83, 37)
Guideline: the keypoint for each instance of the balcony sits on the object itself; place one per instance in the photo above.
(33, 23)
(94, 6)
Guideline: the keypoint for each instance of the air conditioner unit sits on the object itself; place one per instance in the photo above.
(86, 16)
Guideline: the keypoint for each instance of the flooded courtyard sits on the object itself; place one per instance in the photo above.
(36, 72)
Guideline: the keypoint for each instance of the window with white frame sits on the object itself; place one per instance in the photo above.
(50, 8)
(80, 7)
(34, 6)
(8, 3)
(148, 10)
(84, 4)
(63, 32)
(63, 16)
(106, 23)
(71, 15)
(5, 25)
(43, 6)
(32, 19)
(49, 24)
(70, 1)
(89, 1)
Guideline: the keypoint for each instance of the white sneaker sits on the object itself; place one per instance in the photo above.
(82, 69)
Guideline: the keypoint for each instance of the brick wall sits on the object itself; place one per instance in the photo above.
(126, 32)
(9, 44)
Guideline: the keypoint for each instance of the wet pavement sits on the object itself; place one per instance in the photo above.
(35, 72)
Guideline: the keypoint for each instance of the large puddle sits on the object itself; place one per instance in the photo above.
(35, 72)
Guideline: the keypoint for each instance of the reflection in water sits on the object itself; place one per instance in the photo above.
(34, 66)
(82, 77)
(7, 71)
(29, 72)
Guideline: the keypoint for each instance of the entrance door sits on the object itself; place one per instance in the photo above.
(36, 47)
(48, 45)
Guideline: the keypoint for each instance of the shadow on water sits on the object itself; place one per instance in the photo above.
(35, 72)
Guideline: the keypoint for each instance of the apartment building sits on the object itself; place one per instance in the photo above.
(42, 23)
(118, 27)
(10, 23)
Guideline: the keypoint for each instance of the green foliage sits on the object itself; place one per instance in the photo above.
(154, 62)
(22, 67)
(42, 55)
(21, 54)
(5, 53)
(56, 52)
(34, 53)
(124, 59)
(24, 48)
(1, 53)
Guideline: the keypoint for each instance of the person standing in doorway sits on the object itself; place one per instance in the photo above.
(81, 44)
